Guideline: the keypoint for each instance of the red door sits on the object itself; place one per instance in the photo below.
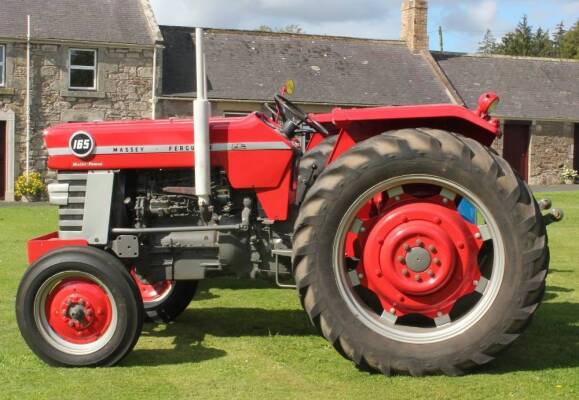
(516, 147)
(576, 148)
(2, 159)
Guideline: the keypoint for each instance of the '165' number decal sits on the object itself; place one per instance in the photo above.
(81, 144)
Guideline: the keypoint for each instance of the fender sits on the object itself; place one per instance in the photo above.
(355, 125)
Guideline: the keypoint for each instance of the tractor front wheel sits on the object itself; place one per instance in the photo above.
(421, 252)
(79, 307)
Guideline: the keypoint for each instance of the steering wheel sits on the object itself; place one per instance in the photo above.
(292, 112)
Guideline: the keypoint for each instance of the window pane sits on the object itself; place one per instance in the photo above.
(81, 78)
(1, 54)
(1, 75)
(84, 58)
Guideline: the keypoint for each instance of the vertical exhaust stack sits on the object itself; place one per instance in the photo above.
(201, 113)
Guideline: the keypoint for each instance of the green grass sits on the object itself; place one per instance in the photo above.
(243, 339)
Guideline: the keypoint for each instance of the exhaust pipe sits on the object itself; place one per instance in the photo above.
(201, 114)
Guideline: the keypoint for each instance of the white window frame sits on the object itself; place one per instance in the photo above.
(3, 66)
(84, 68)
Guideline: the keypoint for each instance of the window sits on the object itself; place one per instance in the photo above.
(83, 69)
(2, 65)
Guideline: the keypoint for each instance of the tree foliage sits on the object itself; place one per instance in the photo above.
(525, 41)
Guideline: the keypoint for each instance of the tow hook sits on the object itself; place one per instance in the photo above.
(553, 215)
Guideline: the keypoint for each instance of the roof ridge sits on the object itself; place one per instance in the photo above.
(298, 35)
(507, 57)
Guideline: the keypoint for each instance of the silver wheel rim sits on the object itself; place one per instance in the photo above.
(55, 340)
(403, 333)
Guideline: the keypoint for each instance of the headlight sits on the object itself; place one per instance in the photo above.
(487, 103)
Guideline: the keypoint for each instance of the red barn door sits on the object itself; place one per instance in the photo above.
(516, 147)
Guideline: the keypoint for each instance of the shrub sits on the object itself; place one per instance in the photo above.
(32, 188)
(569, 174)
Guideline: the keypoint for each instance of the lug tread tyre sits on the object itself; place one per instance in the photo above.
(323, 303)
(117, 279)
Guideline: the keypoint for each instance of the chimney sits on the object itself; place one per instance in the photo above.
(415, 24)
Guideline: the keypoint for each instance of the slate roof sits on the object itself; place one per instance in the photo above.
(247, 65)
(530, 88)
(110, 21)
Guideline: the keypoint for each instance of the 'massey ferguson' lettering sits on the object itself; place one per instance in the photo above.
(129, 149)
(181, 148)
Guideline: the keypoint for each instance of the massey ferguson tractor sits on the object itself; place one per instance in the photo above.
(415, 248)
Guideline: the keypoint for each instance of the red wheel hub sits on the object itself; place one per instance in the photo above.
(419, 257)
(79, 311)
(154, 291)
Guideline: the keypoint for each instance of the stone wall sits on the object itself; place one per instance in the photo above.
(124, 90)
(550, 150)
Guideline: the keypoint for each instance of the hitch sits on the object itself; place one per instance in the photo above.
(553, 215)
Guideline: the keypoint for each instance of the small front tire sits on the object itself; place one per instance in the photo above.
(79, 307)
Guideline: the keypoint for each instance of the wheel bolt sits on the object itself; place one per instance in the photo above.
(405, 272)
(417, 278)
(419, 242)
(430, 273)
(401, 260)
(406, 247)
(437, 261)
(432, 248)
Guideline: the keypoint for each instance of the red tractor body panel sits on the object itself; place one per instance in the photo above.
(252, 153)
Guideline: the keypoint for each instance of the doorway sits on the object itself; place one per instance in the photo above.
(2, 159)
(516, 147)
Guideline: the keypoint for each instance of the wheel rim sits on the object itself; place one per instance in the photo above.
(411, 266)
(75, 312)
(154, 292)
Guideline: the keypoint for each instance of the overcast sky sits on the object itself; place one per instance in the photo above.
(464, 22)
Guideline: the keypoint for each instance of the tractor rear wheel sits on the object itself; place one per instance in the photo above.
(164, 301)
(79, 307)
(421, 252)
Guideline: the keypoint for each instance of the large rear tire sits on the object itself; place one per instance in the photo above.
(79, 307)
(398, 276)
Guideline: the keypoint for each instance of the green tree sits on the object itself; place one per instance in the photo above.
(570, 43)
(488, 44)
(558, 38)
(519, 42)
(292, 28)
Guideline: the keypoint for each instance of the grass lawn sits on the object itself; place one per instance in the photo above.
(243, 339)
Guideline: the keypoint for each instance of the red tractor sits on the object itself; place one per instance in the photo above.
(415, 247)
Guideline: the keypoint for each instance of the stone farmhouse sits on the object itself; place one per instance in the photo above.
(112, 61)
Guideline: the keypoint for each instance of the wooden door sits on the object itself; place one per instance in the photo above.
(516, 147)
(576, 148)
(2, 159)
